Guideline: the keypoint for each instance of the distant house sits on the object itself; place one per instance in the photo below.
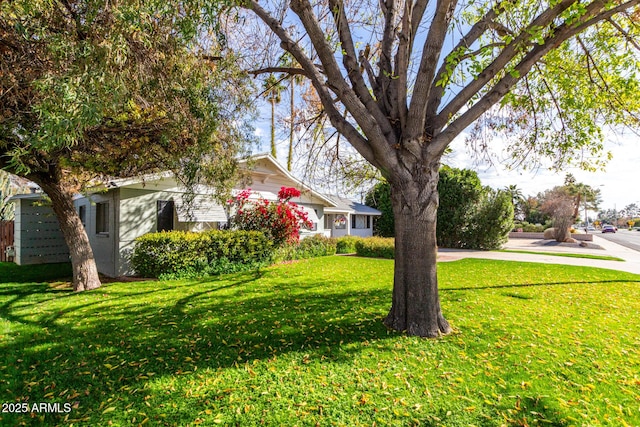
(128, 208)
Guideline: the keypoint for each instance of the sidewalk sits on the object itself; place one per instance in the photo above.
(631, 258)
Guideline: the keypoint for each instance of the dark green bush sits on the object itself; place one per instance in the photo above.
(379, 197)
(238, 246)
(168, 253)
(490, 225)
(376, 247)
(310, 247)
(347, 244)
(186, 254)
(462, 197)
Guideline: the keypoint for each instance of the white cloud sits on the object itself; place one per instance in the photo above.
(619, 181)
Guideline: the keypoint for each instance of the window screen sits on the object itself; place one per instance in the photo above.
(165, 215)
(102, 218)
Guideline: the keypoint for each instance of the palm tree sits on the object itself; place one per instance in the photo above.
(517, 198)
(582, 194)
(516, 194)
(272, 91)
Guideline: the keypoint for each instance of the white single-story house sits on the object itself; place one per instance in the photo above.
(128, 208)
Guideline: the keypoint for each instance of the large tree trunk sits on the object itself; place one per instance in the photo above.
(85, 272)
(415, 306)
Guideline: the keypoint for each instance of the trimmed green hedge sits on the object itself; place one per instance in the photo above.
(310, 247)
(376, 247)
(189, 254)
(347, 244)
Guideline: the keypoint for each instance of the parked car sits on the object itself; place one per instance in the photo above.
(608, 229)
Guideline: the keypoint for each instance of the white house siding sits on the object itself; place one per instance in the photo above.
(362, 232)
(316, 216)
(38, 238)
(138, 216)
(348, 229)
(364, 225)
(337, 232)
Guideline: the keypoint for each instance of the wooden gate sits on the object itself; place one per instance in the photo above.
(6, 239)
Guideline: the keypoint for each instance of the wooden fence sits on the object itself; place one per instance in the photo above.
(6, 239)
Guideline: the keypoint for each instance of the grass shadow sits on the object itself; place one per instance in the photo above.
(111, 341)
(13, 273)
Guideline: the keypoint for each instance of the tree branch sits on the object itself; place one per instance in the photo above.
(437, 91)
(317, 79)
(375, 137)
(416, 116)
(624, 33)
(500, 62)
(285, 70)
(350, 62)
(384, 79)
(557, 36)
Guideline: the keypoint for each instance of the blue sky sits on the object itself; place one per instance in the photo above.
(619, 182)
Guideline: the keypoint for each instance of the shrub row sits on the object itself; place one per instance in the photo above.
(180, 254)
(372, 247)
(347, 244)
(310, 247)
(531, 228)
(376, 247)
(188, 254)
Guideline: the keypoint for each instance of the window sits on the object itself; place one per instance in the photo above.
(360, 221)
(165, 215)
(82, 213)
(102, 218)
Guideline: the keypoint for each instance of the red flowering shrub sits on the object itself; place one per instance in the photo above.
(280, 220)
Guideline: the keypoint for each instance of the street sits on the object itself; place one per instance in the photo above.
(629, 239)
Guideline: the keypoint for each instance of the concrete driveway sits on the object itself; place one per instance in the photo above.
(599, 246)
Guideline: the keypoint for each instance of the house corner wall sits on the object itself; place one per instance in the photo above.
(37, 235)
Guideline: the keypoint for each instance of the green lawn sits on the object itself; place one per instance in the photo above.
(303, 344)
(564, 254)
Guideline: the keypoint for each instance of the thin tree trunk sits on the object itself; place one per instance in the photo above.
(273, 128)
(291, 129)
(415, 305)
(85, 272)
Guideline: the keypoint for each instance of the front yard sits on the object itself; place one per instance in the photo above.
(303, 344)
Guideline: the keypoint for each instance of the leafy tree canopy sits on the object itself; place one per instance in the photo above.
(114, 88)
(92, 89)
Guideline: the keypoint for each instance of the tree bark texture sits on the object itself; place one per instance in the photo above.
(85, 271)
(415, 305)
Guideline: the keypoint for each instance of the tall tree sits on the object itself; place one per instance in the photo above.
(517, 200)
(273, 92)
(583, 195)
(92, 89)
(403, 84)
(294, 80)
(632, 210)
